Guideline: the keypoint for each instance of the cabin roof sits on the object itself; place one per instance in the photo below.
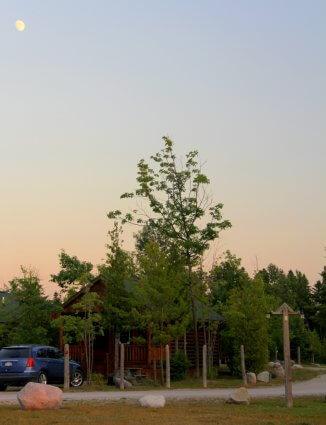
(202, 312)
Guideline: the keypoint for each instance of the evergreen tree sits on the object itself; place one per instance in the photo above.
(225, 276)
(245, 315)
(319, 297)
(119, 274)
(159, 303)
(31, 319)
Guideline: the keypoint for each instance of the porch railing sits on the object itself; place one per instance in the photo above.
(135, 354)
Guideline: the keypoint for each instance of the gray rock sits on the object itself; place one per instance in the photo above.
(278, 371)
(239, 396)
(271, 364)
(116, 382)
(263, 376)
(297, 366)
(39, 397)
(155, 401)
(251, 378)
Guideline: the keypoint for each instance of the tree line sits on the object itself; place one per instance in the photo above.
(162, 284)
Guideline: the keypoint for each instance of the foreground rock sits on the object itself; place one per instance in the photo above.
(263, 377)
(152, 401)
(278, 370)
(251, 378)
(39, 397)
(239, 396)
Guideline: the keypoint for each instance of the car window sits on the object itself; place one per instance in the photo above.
(42, 353)
(14, 353)
(53, 353)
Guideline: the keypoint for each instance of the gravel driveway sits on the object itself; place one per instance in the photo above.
(314, 387)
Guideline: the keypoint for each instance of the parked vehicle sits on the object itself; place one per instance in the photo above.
(38, 363)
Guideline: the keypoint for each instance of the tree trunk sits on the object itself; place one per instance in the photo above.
(176, 348)
(185, 343)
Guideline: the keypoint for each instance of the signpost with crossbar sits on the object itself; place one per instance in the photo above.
(286, 311)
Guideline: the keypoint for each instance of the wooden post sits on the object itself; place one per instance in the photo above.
(287, 358)
(167, 363)
(116, 351)
(66, 367)
(122, 367)
(154, 365)
(276, 354)
(185, 343)
(286, 311)
(299, 355)
(205, 366)
(243, 366)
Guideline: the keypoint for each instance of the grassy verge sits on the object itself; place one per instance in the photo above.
(224, 381)
(264, 412)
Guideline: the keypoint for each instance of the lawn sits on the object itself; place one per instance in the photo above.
(225, 380)
(265, 412)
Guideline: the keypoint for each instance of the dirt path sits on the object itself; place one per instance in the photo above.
(313, 387)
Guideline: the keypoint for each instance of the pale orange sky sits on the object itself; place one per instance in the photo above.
(242, 82)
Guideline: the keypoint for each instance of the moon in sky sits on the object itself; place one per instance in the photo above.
(20, 25)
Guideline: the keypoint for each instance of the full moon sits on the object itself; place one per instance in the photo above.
(20, 25)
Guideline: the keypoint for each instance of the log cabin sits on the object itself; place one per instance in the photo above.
(137, 357)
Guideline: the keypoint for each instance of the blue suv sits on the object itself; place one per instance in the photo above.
(39, 363)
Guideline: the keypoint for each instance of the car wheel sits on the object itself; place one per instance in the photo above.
(77, 379)
(42, 378)
(3, 387)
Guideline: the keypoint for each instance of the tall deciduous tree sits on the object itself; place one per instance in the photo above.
(83, 327)
(178, 202)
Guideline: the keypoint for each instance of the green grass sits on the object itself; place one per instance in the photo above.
(223, 381)
(311, 411)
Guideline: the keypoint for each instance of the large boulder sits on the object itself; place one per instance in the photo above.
(39, 397)
(263, 377)
(251, 378)
(278, 370)
(239, 396)
(152, 401)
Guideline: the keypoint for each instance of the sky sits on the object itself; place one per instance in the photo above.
(89, 88)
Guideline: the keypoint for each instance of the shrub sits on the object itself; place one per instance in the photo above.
(179, 365)
(212, 373)
(98, 379)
